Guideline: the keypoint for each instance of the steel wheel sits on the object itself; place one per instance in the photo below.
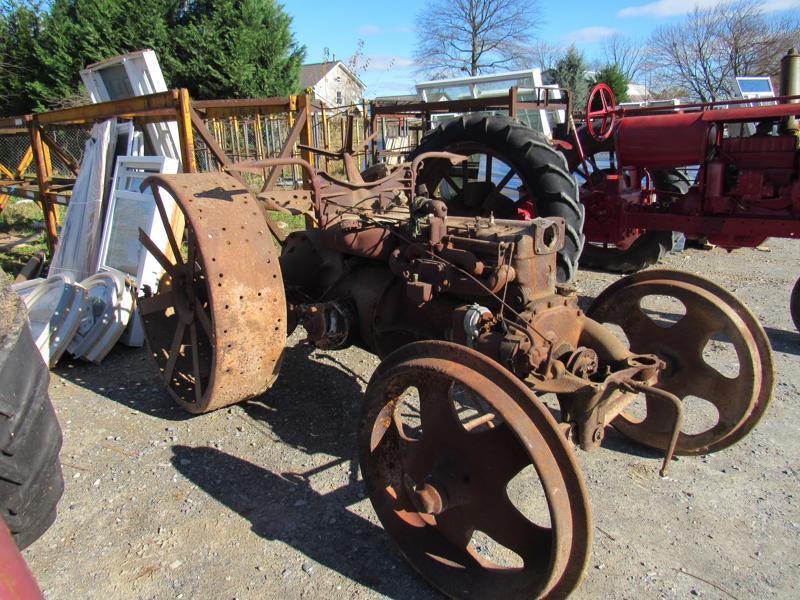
(216, 327)
(445, 435)
(712, 316)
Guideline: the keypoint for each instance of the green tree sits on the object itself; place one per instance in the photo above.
(236, 48)
(614, 78)
(19, 28)
(222, 48)
(75, 33)
(570, 73)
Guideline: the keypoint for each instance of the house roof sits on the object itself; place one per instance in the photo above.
(311, 73)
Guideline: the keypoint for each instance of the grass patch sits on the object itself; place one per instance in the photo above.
(21, 222)
(293, 222)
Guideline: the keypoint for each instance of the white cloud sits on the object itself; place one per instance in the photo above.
(382, 62)
(588, 35)
(369, 29)
(672, 8)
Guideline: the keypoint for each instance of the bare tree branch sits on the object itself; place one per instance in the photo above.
(704, 54)
(626, 52)
(470, 37)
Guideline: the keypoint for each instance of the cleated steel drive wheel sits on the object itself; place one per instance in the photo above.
(216, 326)
(718, 358)
(467, 471)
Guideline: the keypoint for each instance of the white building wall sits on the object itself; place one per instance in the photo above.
(338, 80)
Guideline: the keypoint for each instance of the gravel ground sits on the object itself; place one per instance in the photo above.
(264, 500)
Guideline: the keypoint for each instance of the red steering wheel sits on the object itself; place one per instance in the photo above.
(607, 113)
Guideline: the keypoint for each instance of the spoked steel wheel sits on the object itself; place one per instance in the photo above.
(717, 354)
(469, 474)
(216, 326)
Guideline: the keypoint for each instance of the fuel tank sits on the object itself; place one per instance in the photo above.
(663, 141)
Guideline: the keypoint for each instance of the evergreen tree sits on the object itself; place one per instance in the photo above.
(614, 78)
(76, 33)
(236, 48)
(570, 73)
(19, 28)
(223, 48)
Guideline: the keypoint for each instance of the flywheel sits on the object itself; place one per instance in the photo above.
(216, 325)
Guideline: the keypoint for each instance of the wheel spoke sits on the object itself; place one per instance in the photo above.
(158, 255)
(641, 330)
(456, 526)
(174, 349)
(452, 183)
(498, 518)
(198, 390)
(508, 454)
(437, 411)
(488, 167)
(192, 254)
(504, 181)
(582, 173)
(176, 250)
(205, 322)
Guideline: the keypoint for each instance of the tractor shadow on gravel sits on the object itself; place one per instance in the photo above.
(313, 406)
(315, 403)
(127, 376)
(286, 508)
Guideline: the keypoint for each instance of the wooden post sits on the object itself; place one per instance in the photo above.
(304, 104)
(373, 127)
(326, 134)
(512, 102)
(185, 133)
(43, 179)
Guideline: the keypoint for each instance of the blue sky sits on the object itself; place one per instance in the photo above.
(387, 29)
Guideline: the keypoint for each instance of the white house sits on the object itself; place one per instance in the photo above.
(333, 83)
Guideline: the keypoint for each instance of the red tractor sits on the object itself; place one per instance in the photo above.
(632, 165)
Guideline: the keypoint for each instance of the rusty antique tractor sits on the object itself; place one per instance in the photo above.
(473, 327)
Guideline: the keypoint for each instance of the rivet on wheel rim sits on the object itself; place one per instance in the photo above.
(217, 324)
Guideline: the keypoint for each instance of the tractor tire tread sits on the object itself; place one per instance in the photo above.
(31, 481)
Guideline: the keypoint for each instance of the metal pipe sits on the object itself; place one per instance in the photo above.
(790, 86)
(676, 427)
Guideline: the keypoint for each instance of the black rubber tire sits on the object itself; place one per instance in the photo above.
(648, 248)
(794, 304)
(31, 482)
(539, 165)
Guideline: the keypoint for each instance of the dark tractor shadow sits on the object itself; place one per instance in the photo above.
(314, 405)
(787, 342)
(128, 376)
(319, 526)
(616, 442)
